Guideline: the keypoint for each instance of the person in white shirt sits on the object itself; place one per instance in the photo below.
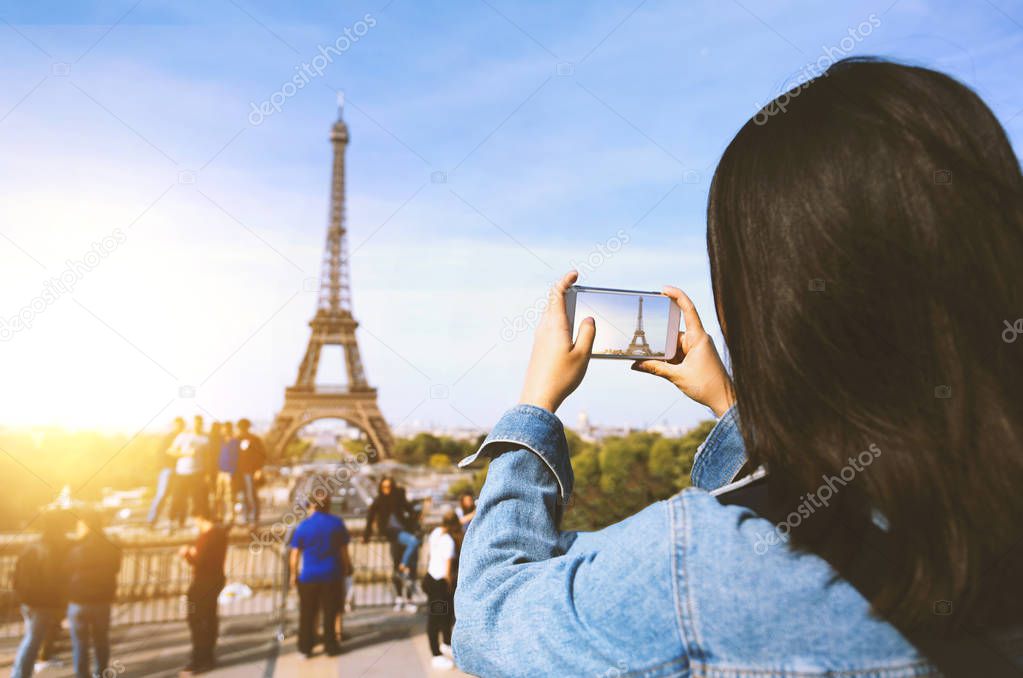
(439, 586)
(189, 482)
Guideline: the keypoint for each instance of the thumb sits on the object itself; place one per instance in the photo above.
(587, 332)
(656, 367)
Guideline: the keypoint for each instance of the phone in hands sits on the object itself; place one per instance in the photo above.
(630, 324)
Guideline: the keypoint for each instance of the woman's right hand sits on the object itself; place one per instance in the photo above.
(696, 369)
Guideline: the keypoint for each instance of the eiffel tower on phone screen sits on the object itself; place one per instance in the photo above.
(639, 345)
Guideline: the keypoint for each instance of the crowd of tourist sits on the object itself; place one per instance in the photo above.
(211, 476)
(206, 472)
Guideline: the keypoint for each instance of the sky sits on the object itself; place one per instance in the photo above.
(163, 236)
(615, 319)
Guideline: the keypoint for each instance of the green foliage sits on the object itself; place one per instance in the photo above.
(622, 475)
(419, 449)
(441, 462)
(296, 451)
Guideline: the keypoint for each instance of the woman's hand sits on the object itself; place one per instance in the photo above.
(556, 367)
(696, 369)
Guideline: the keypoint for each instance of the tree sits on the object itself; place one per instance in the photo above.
(623, 475)
(441, 462)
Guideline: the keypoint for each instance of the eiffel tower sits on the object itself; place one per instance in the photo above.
(333, 325)
(639, 345)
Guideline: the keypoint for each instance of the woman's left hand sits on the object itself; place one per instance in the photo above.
(556, 366)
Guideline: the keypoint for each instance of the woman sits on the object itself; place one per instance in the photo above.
(393, 517)
(439, 586)
(466, 509)
(865, 247)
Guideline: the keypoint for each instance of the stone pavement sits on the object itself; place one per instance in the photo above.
(377, 643)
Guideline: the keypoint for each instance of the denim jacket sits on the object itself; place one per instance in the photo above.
(687, 586)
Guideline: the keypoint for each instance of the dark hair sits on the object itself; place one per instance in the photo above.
(380, 485)
(865, 245)
(319, 502)
(450, 522)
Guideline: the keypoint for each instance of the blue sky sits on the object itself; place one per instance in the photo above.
(559, 129)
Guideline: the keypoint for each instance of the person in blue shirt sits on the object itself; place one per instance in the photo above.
(228, 480)
(319, 561)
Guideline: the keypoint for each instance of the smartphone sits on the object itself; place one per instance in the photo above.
(631, 325)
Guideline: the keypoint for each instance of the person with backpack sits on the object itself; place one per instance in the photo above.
(40, 584)
(93, 563)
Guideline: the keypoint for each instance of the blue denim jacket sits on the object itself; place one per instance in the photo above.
(684, 587)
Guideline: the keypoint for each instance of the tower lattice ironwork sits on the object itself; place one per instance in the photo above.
(333, 325)
(639, 345)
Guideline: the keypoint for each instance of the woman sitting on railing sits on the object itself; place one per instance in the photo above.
(394, 518)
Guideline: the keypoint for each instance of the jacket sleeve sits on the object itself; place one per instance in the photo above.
(721, 456)
(534, 601)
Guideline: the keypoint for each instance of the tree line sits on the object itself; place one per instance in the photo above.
(613, 478)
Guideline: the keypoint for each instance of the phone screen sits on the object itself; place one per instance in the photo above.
(629, 324)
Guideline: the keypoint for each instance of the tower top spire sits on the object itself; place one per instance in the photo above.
(340, 131)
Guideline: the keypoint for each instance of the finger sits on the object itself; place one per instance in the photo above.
(656, 367)
(694, 326)
(556, 315)
(556, 299)
(584, 342)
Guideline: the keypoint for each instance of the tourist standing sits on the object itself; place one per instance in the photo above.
(466, 508)
(439, 586)
(227, 475)
(207, 558)
(251, 457)
(210, 459)
(189, 482)
(166, 461)
(319, 561)
(40, 584)
(93, 562)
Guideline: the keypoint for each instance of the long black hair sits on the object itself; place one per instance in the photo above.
(866, 242)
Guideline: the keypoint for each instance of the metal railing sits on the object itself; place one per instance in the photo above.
(153, 581)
